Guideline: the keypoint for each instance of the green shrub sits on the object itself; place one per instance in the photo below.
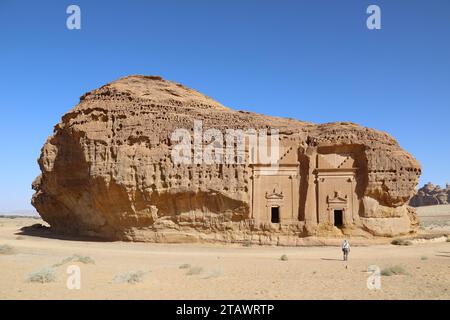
(284, 257)
(185, 266)
(423, 258)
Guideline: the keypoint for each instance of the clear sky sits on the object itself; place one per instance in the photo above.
(310, 60)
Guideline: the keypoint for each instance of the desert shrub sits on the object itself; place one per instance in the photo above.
(43, 275)
(6, 249)
(83, 259)
(392, 271)
(75, 258)
(62, 262)
(284, 257)
(423, 258)
(401, 242)
(247, 243)
(214, 273)
(20, 238)
(194, 270)
(129, 277)
(448, 239)
(185, 266)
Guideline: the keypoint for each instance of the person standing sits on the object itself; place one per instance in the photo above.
(345, 249)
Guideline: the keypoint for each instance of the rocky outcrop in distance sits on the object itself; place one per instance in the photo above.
(430, 195)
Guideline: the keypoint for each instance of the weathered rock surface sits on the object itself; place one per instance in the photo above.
(430, 195)
(107, 171)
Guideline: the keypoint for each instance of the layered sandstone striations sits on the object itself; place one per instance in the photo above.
(107, 171)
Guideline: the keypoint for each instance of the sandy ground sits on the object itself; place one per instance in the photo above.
(435, 218)
(227, 272)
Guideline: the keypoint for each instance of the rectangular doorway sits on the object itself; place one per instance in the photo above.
(275, 215)
(338, 218)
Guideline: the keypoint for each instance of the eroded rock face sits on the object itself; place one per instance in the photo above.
(107, 171)
(430, 195)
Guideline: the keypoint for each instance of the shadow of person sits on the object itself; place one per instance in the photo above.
(329, 259)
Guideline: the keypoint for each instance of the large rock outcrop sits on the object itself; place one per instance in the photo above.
(430, 195)
(107, 171)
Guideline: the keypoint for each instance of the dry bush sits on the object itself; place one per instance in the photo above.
(393, 271)
(43, 275)
(194, 270)
(247, 243)
(6, 249)
(214, 273)
(401, 242)
(129, 277)
(75, 258)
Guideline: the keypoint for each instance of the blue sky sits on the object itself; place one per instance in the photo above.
(310, 60)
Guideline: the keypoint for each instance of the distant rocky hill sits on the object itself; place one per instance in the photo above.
(431, 194)
(20, 213)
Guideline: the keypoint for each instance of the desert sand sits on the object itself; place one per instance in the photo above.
(224, 272)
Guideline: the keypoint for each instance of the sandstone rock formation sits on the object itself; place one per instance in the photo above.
(430, 195)
(107, 171)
